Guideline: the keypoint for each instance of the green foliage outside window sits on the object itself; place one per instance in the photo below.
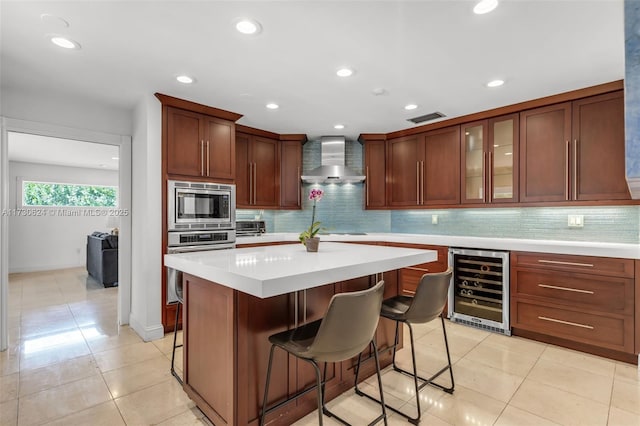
(68, 195)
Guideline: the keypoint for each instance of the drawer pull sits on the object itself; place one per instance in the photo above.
(557, 262)
(575, 324)
(413, 268)
(575, 290)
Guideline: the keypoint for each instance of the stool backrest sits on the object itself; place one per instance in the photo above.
(430, 298)
(348, 326)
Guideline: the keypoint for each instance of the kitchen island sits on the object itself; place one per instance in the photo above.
(235, 299)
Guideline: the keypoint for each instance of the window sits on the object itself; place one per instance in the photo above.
(67, 195)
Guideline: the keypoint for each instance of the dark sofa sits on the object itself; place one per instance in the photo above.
(102, 258)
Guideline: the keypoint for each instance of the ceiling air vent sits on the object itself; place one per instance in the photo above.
(427, 117)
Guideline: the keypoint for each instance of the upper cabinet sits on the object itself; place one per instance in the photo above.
(574, 151)
(290, 170)
(424, 169)
(598, 157)
(198, 141)
(258, 176)
(489, 160)
(375, 170)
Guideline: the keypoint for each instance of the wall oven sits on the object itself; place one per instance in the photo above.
(200, 206)
(479, 292)
(201, 216)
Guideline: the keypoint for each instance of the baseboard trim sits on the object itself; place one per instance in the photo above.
(149, 333)
(26, 269)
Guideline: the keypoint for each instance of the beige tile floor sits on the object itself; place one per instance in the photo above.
(68, 363)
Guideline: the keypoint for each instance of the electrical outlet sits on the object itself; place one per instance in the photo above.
(575, 221)
(434, 219)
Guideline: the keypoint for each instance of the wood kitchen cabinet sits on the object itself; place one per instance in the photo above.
(231, 329)
(574, 151)
(375, 160)
(410, 277)
(489, 160)
(258, 176)
(424, 169)
(290, 170)
(583, 302)
(199, 145)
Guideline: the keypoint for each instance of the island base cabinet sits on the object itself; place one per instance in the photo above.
(227, 350)
(209, 327)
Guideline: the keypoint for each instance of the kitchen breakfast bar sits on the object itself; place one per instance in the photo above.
(235, 299)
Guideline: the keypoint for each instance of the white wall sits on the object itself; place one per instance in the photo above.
(146, 291)
(39, 243)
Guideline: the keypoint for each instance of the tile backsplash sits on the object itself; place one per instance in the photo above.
(342, 210)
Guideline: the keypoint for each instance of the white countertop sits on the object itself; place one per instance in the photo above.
(628, 251)
(273, 270)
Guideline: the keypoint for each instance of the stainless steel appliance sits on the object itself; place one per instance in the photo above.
(250, 228)
(479, 292)
(200, 206)
(201, 216)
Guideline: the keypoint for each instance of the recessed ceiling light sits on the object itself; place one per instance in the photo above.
(248, 26)
(344, 72)
(409, 107)
(115, 158)
(495, 83)
(272, 106)
(185, 79)
(339, 126)
(485, 6)
(64, 42)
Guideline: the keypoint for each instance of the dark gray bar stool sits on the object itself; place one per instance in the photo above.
(426, 305)
(346, 330)
(178, 290)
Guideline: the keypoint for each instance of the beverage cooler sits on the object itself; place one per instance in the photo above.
(479, 292)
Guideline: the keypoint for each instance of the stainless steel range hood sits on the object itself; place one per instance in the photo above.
(333, 168)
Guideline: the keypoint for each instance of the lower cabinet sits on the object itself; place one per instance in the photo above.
(227, 349)
(410, 277)
(582, 302)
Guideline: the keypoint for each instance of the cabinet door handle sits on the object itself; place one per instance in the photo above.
(417, 182)
(202, 158)
(575, 169)
(575, 290)
(255, 183)
(574, 324)
(408, 291)
(366, 185)
(490, 175)
(208, 173)
(567, 168)
(558, 262)
(250, 182)
(422, 179)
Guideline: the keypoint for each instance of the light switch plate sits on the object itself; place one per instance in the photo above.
(575, 221)
(434, 219)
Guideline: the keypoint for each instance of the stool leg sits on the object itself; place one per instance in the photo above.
(384, 408)
(266, 387)
(320, 393)
(175, 336)
(395, 345)
(446, 345)
(415, 376)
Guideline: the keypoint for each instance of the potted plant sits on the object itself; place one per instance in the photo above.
(308, 236)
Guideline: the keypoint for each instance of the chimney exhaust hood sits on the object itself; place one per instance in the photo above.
(333, 168)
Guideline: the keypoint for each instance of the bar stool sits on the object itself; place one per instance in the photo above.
(178, 290)
(346, 330)
(426, 305)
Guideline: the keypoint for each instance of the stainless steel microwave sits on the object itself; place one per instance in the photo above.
(200, 205)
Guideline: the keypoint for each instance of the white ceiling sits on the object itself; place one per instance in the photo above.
(62, 152)
(437, 54)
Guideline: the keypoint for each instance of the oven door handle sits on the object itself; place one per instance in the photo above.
(200, 247)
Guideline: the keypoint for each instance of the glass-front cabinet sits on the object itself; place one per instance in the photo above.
(490, 160)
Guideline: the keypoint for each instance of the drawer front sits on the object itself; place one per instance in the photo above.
(439, 265)
(606, 294)
(410, 277)
(599, 330)
(581, 264)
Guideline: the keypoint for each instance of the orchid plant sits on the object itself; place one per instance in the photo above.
(316, 195)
